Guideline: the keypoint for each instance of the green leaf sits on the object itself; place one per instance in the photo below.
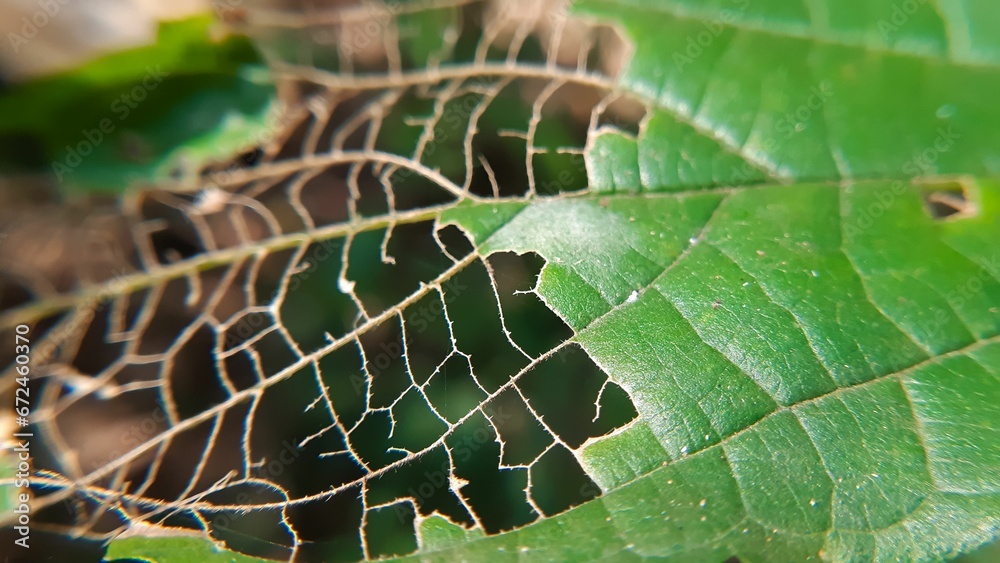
(171, 549)
(787, 268)
(791, 402)
(753, 90)
(138, 115)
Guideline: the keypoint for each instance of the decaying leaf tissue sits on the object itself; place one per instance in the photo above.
(344, 280)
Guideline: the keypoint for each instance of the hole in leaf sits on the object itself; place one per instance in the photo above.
(372, 442)
(948, 201)
(623, 114)
(428, 336)
(453, 390)
(346, 384)
(193, 385)
(558, 482)
(454, 241)
(325, 196)
(313, 307)
(564, 391)
(273, 354)
(389, 530)
(523, 437)
(248, 327)
(175, 238)
(329, 529)
(260, 533)
(385, 364)
(172, 477)
(496, 495)
(96, 353)
(425, 483)
(472, 308)
(533, 326)
(417, 425)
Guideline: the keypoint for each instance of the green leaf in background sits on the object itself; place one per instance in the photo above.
(121, 118)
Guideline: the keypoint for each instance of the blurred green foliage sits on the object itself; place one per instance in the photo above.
(118, 119)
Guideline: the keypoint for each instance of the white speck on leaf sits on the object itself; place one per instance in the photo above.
(210, 200)
(633, 297)
(345, 285)
(945, 111)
